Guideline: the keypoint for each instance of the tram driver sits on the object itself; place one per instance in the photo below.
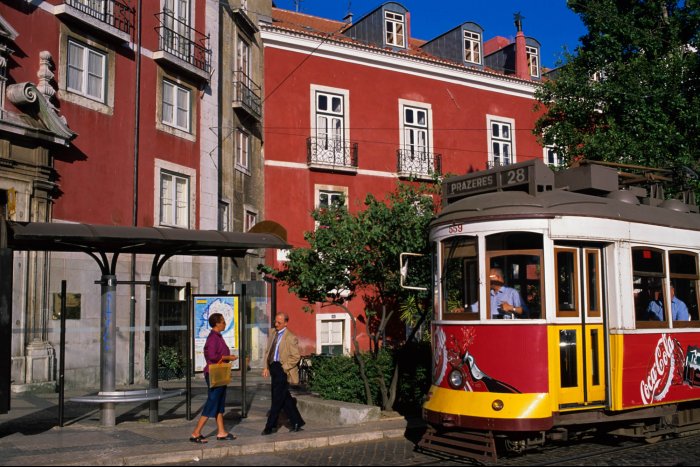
(506, 302)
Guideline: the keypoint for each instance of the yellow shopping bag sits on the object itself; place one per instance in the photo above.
(219, 374)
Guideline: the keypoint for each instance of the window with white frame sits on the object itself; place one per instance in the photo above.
(327, 198)
(551, 156)
(174, 199)
(86, 71)
(330, 119)
(242, 149)
(332, 334)
(394, 27)
(176, 105)
(244, 5)
(501, 150)
(415, 130)
(250, 219)
(533, 60)
(472, 47)
(243, 56)
(176, 36)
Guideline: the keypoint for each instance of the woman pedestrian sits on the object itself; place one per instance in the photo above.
(215, 351)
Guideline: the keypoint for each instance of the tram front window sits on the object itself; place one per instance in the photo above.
(460, 278)
(515, 275)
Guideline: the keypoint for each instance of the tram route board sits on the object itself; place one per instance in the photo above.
(530, 176)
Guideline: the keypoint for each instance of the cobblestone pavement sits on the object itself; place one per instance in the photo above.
(400, 451)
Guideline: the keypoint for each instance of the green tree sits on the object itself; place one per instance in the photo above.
(631, 93)
(357, 254)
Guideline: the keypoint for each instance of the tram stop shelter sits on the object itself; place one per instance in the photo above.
(100, 241)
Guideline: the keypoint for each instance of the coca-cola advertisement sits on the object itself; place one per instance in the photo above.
(670, 373)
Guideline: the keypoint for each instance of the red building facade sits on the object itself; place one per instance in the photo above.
(352, 108)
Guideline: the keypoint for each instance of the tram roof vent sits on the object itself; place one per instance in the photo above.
(589, 179)
(675, 205)
(624, 196)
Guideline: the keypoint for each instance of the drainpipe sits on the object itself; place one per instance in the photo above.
(135, 208)
(219, 143)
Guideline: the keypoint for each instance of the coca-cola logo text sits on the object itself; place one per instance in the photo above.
(655, 386)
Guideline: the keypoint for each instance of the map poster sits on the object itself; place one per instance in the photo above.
(205, 305)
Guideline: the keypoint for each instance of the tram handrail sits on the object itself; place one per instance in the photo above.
(404, 271)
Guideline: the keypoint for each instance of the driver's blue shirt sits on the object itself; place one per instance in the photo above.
(679, 311)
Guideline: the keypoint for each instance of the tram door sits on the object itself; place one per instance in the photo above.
(579, 338)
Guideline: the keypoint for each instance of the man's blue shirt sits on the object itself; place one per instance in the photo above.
(679, 310)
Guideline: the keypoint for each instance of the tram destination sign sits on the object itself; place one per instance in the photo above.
(522, 176)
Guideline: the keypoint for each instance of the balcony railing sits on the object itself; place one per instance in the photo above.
(183, 42)
(115, 13)
(331, 153)
(498, 162)
(246, 94)
(412, 163)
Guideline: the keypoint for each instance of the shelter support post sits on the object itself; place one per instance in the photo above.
(108, 338)
(153, 338)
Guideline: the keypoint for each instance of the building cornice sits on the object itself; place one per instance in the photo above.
(432, 68)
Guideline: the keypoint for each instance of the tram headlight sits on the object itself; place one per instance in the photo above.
(456, 379)
(497, 405)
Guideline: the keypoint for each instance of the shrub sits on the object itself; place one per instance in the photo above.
(338, 377)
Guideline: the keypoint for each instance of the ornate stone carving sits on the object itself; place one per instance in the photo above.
(45, 75)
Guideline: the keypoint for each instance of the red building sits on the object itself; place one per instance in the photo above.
(127, 113)
(353, 107)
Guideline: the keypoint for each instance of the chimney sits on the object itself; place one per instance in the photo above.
(522, 71)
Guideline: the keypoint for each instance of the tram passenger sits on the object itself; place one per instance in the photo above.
(506, 302)
(679, 310)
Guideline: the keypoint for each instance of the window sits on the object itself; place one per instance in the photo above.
(533, 60)
(243, 57)
(244, 5)
(329, 145)
(329, 119)
(649, 278)
(224, 223)
(472, 47)
(328, 198)
(86, 71)
(174, 200)
(460, 278)
(177, 32)
(176, 106)
(332, 334)
(567, 280)
(501, 150)
(551, 156)
(394, 29)
(683, 268)
(243, 149)
(250, 219)
(415, 122)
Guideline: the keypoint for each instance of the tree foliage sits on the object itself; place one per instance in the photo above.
(353, 255)
(631, 93)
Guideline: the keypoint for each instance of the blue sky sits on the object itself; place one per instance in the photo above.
(548, 21)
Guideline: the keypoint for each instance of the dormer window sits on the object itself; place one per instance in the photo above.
(533, 61)
(472, 47)
(394, 27)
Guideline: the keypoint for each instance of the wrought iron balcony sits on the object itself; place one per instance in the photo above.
(118, 15)
(186, 45)
(331, 153)
(498, 162)
(246, 94)
(417, 164)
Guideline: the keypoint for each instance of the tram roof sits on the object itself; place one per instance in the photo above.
(486, 196)
(521, 205)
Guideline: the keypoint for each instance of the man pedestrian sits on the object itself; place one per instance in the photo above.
(281, 365)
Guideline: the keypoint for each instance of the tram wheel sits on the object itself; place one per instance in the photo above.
(653, 439)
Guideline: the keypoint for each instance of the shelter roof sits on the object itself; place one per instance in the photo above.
(47, 236)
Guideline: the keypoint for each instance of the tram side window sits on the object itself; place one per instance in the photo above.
(460, 278)
(517, 257)
(684, 282)
(648, 281)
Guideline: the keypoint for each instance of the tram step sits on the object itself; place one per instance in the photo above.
(479, 445)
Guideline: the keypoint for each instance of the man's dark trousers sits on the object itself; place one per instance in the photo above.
(281, 399)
